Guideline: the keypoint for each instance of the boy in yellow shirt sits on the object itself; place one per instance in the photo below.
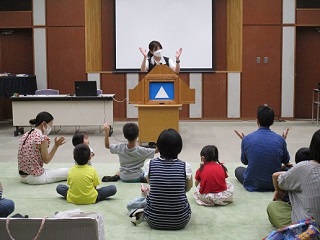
(83, 180)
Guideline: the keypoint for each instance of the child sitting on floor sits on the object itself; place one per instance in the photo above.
(6, 205)
(83, 180)
(212, 187)
(131, 156)
(82, 137)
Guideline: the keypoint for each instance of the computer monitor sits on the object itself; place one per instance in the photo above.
(85, 88)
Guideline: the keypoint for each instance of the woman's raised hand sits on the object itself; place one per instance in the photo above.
(178, 53)
(143, 51)
(59, 141)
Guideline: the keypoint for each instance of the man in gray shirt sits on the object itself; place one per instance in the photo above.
(302, 182)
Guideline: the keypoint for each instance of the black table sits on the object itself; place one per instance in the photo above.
(12, 84)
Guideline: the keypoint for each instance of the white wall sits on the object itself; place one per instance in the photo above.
(234, 88)
(289, 12)
(287, 88)
(132, 82)
(196, 83)
(288, 56)
(40, 57)
(39, 43)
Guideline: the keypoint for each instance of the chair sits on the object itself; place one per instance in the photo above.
(99, 92)
(47, 92)
(80, 228)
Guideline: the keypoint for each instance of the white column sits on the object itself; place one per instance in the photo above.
(196, 83)
(132, 81)
(288, 56)
(39, 43)
(40, 57)
(287, 89)
(289, 12)
(95, 77)
(39, 12)
(233, 95)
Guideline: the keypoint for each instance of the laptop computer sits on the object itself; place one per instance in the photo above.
(85, 88)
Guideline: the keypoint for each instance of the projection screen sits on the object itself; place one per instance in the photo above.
(174, 23)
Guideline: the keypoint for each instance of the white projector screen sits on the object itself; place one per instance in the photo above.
(174, 23)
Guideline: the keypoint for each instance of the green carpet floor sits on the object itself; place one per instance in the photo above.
(245, 218)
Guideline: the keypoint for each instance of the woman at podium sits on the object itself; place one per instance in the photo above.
(154, 57)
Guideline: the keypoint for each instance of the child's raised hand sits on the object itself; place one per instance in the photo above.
(106, 128)
(285, 133)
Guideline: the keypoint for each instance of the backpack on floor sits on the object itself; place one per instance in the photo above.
(302, 230)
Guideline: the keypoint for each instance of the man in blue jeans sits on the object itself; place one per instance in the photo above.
(264, 151)
(6, 205)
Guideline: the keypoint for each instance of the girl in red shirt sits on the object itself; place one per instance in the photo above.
(212, 187)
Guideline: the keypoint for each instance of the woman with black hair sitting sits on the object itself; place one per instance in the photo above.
(169, 178)
(33, 153)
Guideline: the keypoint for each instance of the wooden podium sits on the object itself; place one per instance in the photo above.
(159, 97)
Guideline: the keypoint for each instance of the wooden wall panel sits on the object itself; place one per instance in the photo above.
(116, 83)
(262, 12)
(234, 35)
(93, 35)
(308, 17)
(184, 112)
(65, 57)
(261, 82)
(15, 19)
(214, 92)
(307, 69)
(107, 34)
(65, 12)
(16, 55)
(219, 37)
